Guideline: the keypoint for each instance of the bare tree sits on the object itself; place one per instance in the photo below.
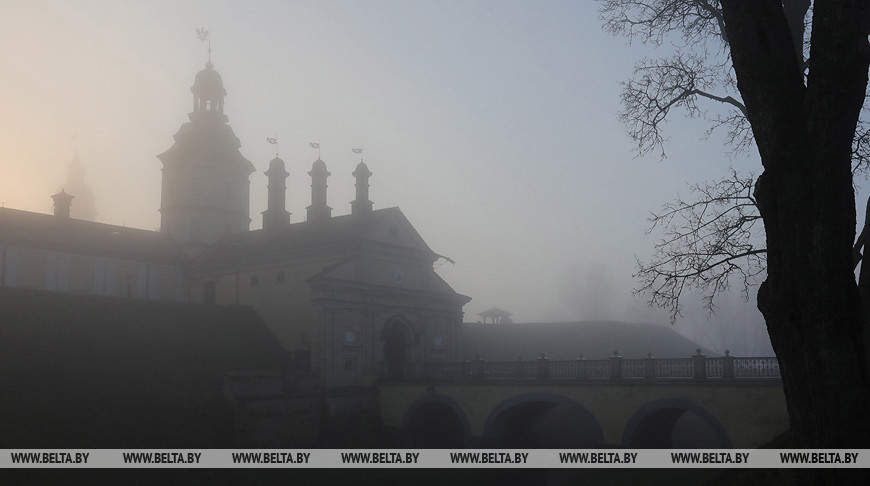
(801, 83)
(699, 80)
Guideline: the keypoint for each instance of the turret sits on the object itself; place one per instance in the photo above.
(361, 205)
(318, 211)
(276, 216)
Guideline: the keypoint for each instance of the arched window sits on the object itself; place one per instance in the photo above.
(255, 281)
(279, 277)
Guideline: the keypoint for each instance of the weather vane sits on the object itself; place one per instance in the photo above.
(316, 145)
(358, 151)
(202, 34)
(274, 141)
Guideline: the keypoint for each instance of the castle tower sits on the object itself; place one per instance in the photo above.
(318, 211)
(206, 191)
(361, 205)
(275, 215)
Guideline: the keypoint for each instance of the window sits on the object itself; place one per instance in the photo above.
(350, 336)
(255, 281)
(279, 277)
(398, 276)
(439, 341)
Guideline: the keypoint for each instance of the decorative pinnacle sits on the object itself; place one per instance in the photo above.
(202, 34)
(273, 141)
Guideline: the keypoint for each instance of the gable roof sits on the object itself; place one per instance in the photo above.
(388, 226)
(48, 232)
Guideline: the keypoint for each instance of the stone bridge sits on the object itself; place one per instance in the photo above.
(694, 402)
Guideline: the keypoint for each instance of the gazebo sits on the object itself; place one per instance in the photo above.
(497, 316)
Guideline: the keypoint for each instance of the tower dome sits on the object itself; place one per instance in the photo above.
(208, 83)
(208, 92)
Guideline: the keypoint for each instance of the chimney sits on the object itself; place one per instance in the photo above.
(62, 204)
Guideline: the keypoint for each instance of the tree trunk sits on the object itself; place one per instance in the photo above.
(810, 299)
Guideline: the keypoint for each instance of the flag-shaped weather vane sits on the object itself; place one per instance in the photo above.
(202, 35)
(273, 141)
(358, 151)
(315, 145)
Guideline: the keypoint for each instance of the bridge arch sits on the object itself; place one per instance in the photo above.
(436, 421)
(542, 420)
(674, 423)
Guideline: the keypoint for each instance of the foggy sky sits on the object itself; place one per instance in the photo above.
(492, 124)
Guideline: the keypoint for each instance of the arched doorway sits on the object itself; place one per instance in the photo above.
(395, 338)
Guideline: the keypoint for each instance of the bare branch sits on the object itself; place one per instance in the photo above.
(660, 85)
(707, 243)
(653, 20)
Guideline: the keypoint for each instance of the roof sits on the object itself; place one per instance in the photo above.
(495, 312)
(568, 340)
(109, 372)
(338, 231)
(45, 231)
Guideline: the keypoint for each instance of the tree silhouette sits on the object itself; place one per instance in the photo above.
(800, 76)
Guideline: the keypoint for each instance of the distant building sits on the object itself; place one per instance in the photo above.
(350, 297)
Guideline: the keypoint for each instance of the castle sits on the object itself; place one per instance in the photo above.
(350, 297)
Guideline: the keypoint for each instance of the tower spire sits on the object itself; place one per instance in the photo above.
(203, 35)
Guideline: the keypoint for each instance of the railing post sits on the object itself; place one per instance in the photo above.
(543, 367)
(465, 369)
(700, 368)
(518, 368)
(727, 365)
(616, 366)
(477, 369)
(581, 367)
(649, 366)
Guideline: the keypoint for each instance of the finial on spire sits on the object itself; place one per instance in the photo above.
(316, 145)
(274, 141)
(202, 34)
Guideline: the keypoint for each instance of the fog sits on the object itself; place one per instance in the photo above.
(491, 124)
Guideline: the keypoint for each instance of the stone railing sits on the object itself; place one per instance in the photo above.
(698, 367)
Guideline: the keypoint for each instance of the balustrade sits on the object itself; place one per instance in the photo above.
(698, 367)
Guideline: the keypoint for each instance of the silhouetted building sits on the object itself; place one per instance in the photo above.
(352, 297)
